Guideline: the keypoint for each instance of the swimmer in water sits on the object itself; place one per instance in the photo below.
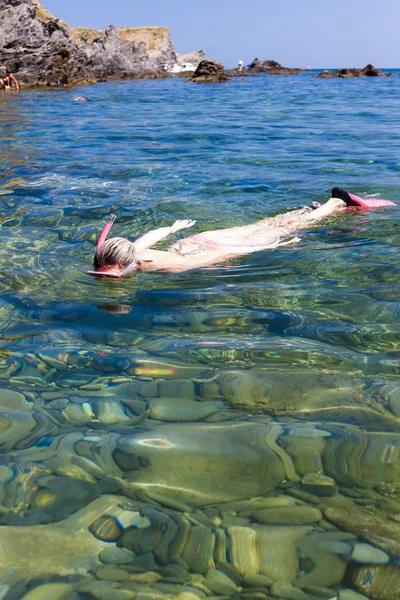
(117, 256)
(8, 81)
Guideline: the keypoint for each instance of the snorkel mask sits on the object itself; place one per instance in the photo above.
(102, 271)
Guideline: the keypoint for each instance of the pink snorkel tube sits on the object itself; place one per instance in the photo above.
(104, 272)
(106, 231)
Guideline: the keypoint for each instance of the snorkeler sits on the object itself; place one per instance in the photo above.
(118, 256)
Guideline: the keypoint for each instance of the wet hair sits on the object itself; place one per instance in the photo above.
(8, 72)
(114, 251)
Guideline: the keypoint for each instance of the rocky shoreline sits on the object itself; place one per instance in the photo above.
(44, 51)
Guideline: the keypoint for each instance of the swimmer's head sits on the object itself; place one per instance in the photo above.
(115, 252)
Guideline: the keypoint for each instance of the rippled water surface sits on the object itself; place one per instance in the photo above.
(228, 432)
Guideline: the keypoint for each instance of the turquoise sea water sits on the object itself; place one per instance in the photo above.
(231, 431)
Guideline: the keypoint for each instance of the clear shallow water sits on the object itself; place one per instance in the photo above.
(142, 427)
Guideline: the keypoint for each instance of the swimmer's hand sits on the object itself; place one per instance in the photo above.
(182, 224)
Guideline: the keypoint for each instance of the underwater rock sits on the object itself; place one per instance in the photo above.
(305, 450)
(379, 583)
(219, 583)
(240, 388)
(346, 594)
(180, 409)
(318, 565)
(354, 457)
(116, 556)
(112, 573)
(199, 549)
(106, 590)
(10, 399)
(372, 526)
(257, 503)
(50, 591)
(367, 554)
(318, 484)
(300, 393)
(291, 515)
(106, 528)
(277, 551)
(287, 592)
(208, 463)
(61, 548)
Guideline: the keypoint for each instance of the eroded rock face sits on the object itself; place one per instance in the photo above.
(42, 50)
(209, 71)
(368, 71)
(194, 58)
(272, 68)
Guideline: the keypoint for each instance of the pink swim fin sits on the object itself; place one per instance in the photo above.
(370, 202)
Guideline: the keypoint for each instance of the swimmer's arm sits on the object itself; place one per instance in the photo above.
(150, 239)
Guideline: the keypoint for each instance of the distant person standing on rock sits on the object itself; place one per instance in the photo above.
(240, 65)
(8, 80)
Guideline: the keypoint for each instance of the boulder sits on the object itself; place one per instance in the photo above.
(368, 71)
(272, 68)
(209, 71)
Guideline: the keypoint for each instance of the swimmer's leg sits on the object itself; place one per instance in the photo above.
(333, 205)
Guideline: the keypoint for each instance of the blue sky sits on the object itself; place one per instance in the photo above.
(296, 33)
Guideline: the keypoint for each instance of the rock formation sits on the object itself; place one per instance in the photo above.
(194, 58)
(272, 68)
(209, 71)
(155, 40)
(368, 71)
(44, 51)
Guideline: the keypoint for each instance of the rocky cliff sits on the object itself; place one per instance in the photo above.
(155, 40)
(44, 51)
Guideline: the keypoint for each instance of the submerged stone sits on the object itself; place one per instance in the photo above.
(318, 484)
(180, 409)
(206, 463)
(49, 591)
(347, 594)
(291, 515)
(219, 583)
(287, 591)
(365, 553)
(116, 556)
(377, 582)
(107, 529)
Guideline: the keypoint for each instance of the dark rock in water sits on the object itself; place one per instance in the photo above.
(272, 68)
(368, 71)
(209, 71)
(42, 50)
